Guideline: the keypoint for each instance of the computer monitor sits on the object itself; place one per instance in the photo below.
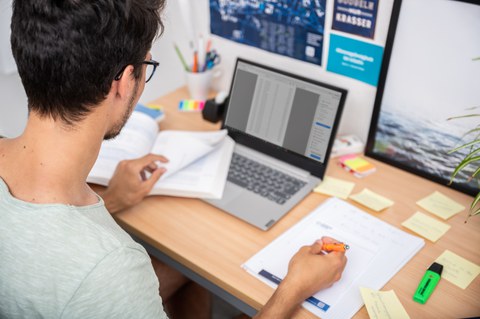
(429, 74)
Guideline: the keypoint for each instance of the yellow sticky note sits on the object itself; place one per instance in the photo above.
(426, 226)
(457, 270)
(359, 164)
(383, 304)
(372, 200)
(335, 187)
(440, 205)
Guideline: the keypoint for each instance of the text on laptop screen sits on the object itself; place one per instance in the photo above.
(283, 110)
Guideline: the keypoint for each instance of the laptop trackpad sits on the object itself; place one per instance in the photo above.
(230, 193)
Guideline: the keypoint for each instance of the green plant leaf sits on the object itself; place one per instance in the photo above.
(472, 153)
(475, 212)
(463, 146)
(476, 172)
(477, 129)
(475, 202)
(462, 116)
(462, 165)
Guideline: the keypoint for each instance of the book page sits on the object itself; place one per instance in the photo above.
(134, 141)
(204, 178)
(182, 148)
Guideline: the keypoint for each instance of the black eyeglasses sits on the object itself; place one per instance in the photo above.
(150, 70)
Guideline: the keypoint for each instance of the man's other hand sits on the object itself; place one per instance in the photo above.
(132, 181)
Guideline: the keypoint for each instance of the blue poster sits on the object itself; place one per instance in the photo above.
(356, 59)
(355, 16)
(294, 28)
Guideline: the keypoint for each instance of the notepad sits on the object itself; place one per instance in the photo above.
(372, 200)
(440, 205)
(335, 187)
(383, 304)
(356, 165)
(458, 270)
(426, 226)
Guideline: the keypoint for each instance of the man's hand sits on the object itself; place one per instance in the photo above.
(309, 271)
(130, 184)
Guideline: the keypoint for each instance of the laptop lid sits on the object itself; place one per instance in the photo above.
(284, 115)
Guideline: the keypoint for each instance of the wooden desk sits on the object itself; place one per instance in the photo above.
(210, 245)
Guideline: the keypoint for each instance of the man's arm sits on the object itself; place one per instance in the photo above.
(309, 271)
(130, 184)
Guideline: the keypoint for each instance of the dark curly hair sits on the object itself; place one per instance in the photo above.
(69, 51)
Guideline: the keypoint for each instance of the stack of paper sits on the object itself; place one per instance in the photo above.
(377, 252)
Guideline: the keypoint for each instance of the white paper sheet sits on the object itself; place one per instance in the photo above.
(377, 252)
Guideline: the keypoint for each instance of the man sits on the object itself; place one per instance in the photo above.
(83, 65)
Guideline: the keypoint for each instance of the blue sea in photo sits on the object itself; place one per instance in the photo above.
(423, 145)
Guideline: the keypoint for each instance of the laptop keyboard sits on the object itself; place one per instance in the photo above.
(263, 180)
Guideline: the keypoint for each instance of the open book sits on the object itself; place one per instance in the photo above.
(198, 161)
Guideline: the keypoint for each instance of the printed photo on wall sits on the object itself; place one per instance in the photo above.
(291, 28)
(355, 17)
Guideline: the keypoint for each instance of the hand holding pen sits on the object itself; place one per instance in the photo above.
(311, 269)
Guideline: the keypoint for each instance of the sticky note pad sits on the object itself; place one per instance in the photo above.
(440, 205)
(335, 187)
(426, 226)
(383, 304)
(191, 105)
(359, 164)
(458, 270)
(372, 200)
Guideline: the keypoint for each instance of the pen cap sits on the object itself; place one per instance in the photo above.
(437, 268)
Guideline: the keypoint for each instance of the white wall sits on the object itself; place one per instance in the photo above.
(359, 104)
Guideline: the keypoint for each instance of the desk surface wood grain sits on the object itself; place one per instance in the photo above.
(214, 244)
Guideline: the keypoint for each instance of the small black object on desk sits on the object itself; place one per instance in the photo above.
(215, 108)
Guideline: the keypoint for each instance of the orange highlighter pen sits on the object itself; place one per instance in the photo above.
(335, 247)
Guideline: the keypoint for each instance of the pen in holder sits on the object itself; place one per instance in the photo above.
(200, 73)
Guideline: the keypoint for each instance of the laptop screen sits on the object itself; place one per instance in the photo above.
(290, 113)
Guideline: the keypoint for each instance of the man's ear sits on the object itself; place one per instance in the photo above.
(122, 86)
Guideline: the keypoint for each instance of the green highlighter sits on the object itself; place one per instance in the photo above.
(428, 283)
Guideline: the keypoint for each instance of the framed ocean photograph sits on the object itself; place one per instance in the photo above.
(430, 73)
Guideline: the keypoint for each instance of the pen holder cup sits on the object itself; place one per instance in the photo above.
(199, 84)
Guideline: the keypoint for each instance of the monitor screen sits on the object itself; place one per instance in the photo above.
(429, 74)
(284, 110)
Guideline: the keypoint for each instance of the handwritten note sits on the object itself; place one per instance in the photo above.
(383, 304)
(440, 205)
(426, 226)
(372, 200)
(457, 270)
(335, 187)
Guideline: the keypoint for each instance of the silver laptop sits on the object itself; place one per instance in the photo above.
(284, 127)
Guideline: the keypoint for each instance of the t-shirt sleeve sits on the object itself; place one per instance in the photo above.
(122, 285)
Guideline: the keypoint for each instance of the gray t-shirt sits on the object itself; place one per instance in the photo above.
(61, 261)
